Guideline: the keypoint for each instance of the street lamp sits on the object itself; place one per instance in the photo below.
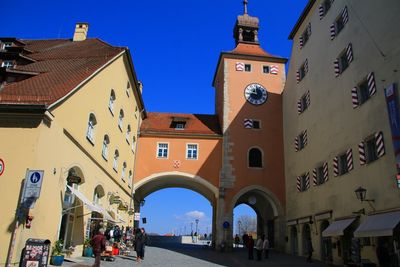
(361, 193)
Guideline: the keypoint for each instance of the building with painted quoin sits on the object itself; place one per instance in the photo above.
(343, 71)
(71, 108)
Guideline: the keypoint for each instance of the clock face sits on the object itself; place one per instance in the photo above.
(255, 93)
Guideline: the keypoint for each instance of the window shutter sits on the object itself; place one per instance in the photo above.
(308, 100)
(298, 76)
(306, 66)
(301, 41)
(298, 184)
(326, 172)
(299, 108)
(314, 175)
(349, 53)
(309, 29)
(354, 97)
(333, 31)
(239, 66)
(296, 143)
(336, 66)
(321, 11)
(307, 180)
(361, 151)
(305, 140)
(371, 84)
(380, 146)
(345, 16)
(349, 157)
(248, 123)
(335, 166)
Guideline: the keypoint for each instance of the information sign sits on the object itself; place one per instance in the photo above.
(33, 185)
(137, 216)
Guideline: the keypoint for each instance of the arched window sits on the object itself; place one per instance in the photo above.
(104, 151)
(128, 133)
(128, 87)
(130, 179)
(111, 102)
(255, 158)
(91, 127)
(98, 194)
(121, 119)
(123, 171)
(133, 143)
(115, 163)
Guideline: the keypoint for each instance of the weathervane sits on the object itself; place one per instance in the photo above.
(245, 6)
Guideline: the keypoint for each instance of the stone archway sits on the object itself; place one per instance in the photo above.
(175, 179)
(269, 212)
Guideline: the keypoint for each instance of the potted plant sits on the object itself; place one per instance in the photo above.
(57, 255)
(88, 250)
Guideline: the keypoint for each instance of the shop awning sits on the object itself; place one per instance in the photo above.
(90, 205)
(337, 228)
(378, 225)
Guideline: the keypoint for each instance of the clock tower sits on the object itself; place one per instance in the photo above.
(248, 84)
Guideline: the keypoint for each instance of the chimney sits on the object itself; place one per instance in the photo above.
(81, 29)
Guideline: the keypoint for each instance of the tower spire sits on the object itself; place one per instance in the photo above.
(245, 2)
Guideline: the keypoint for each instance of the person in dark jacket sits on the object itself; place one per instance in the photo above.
(250, 247)
(139, 244)
(98, 243)
(145, 240)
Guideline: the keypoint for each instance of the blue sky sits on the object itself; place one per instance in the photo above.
(175, 46)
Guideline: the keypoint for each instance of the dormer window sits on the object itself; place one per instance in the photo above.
(8, 64)
(178, 124)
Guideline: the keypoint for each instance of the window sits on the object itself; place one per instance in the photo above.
(91, 128)
(339, 23)
(111, 102)
(8, 64)
(133, 143)
(265, 69)
(363, 92)
(256, 124)
(128, 133)
(371, 150)
(301, 141)
(104, 150)
(178, 125)
(191, 151)
(121, 119)
(123, 171)
(303, 103)
(115, 163)
(324, 7)
(162, 150)
(130, 179)
(128, 87)
(320, 175)
(302, 71)
(255, 158)
(343, 168)
(8, 44)
(344, 59)
(305, 36)
(247, 67)
(304, 182)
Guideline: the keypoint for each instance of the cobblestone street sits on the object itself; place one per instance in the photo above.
(193, 255)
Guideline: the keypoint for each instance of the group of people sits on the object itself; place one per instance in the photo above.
(137, 237)
(261, 245)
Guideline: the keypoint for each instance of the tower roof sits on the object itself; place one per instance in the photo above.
(246, 27)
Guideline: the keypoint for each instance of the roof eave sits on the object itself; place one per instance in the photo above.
(301, 18)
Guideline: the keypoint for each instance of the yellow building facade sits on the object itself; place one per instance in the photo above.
(80, 131)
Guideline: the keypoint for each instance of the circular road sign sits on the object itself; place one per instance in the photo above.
(2, 166)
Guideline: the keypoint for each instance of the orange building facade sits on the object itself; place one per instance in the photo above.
(239, 150)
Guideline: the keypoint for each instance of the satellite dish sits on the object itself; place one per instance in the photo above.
(252, 200)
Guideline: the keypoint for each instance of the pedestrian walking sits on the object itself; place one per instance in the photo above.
(266, 246)
(245, 239)
(145, 241)
(139, 245)
(309, 249)
(259, 248)
(237, 240)
(250, 247)
(98, 243)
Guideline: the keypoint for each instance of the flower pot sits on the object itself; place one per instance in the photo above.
(57, 260)
(88, 252)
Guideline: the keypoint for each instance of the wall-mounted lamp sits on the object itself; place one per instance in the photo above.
(361, 193)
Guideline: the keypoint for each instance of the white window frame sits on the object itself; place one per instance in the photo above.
(121, 119)
(133, 143)
(104, 149)
(158, 147)
(111, 101)
(188, 149)
(8, 64)
(128, 86)
(128, 133)
(130, 179)
(115, 160)
(90, 134)
(123, 172)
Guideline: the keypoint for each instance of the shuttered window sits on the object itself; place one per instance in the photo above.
(324, 7)
(339, 23)
(371, 149)
(364, 90)
(302, 71)
(305, 36)
(344, 59)
(303, 103)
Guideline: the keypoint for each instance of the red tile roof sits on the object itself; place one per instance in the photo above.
(250, 49)
(62, 64)
(197, 124)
